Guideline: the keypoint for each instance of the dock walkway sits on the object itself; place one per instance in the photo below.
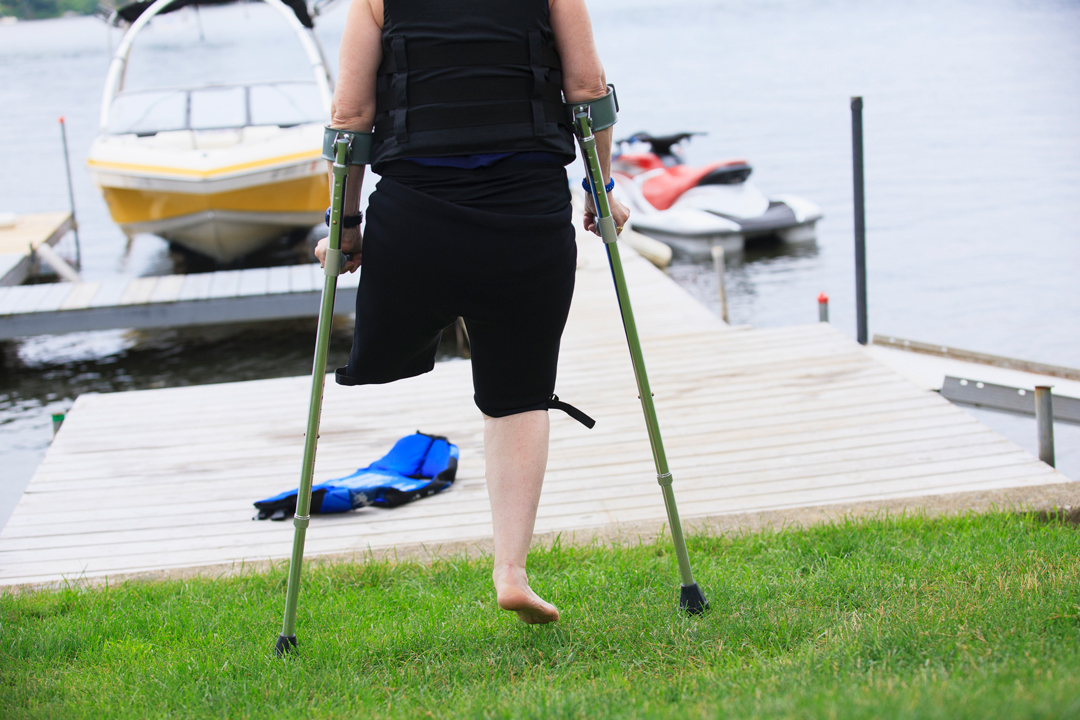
(755, 422)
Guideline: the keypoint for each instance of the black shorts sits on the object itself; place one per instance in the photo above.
(427, 261)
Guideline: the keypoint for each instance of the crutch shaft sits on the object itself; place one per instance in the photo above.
(652, 424)
(287, 639)
(609, 234)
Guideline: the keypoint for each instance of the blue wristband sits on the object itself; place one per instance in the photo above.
(349, 221)
(607, 188)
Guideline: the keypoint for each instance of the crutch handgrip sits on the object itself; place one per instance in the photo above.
(332, 263)
(608, 232)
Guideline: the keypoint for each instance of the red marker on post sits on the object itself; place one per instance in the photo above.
(823, 307)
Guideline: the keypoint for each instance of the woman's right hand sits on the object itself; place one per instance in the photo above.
(352, 244)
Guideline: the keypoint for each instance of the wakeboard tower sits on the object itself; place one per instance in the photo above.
(222, 167)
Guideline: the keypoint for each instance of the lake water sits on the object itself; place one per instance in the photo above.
(972, 168)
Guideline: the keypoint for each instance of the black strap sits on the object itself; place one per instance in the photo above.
(459, 90)
(431, 57)
(539, 81)
(554, 403)
(401, 76)
(441, 117)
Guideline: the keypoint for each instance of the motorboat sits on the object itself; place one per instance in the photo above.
(694, 208)
(217, 168)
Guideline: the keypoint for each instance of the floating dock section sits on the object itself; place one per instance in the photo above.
(170, 300)
(778, 425)
(19, 241)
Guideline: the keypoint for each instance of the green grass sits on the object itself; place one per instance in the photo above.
(976, 617)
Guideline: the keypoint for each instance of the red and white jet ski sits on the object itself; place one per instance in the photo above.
(693, 208)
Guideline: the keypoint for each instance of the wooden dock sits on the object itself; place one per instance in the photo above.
(18, 242)
(170, 300)
(787, 423)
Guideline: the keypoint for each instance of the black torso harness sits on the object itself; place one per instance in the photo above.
(457, 83)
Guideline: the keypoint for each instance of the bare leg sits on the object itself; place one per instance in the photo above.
(516, 447)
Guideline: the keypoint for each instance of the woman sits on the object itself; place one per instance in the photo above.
(472, 218)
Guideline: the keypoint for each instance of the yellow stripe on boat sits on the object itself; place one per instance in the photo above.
(164, 170)
(307, 194)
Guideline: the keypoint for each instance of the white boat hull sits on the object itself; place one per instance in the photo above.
(220, 193)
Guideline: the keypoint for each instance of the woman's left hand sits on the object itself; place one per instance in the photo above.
(619, 213)
(352, 245)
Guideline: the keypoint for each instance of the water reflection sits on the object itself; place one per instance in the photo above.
(761, 269)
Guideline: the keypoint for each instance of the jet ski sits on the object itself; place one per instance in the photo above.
(694, 208)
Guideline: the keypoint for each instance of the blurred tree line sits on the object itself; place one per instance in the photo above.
(37, 9)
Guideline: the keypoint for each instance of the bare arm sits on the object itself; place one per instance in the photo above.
(583, 79)
(353, 106)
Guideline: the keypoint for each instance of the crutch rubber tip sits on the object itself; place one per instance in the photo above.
(692, 600)
(285, 644)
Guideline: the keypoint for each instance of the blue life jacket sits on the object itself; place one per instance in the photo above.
(418, 465)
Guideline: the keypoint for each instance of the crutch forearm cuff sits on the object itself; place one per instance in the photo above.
(603, 112)
(359, 145)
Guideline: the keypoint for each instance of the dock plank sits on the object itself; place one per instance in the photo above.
(30, 297)
(81, 296)
(305, 278)
(225, 283)
(110, 293)
(195, 287)
(8, 298)
(139, 291)
(52, 300)
(254, 282)
(167, 289)
(277, 280)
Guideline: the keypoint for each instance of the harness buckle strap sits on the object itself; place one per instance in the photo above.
(539, 73)
(400, 83)
(554, 403)
(539, 126)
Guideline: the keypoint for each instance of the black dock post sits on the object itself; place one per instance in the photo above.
(860, 220)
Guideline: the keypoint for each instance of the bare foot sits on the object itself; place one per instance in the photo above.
(513, 593)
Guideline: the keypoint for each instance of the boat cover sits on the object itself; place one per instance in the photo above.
(131, 12)
(417, 466)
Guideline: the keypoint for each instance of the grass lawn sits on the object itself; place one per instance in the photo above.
(912, 617)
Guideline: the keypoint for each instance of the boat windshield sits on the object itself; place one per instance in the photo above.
(213, 107)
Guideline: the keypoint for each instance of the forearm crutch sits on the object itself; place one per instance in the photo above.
(603, 113)
(344, 148)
